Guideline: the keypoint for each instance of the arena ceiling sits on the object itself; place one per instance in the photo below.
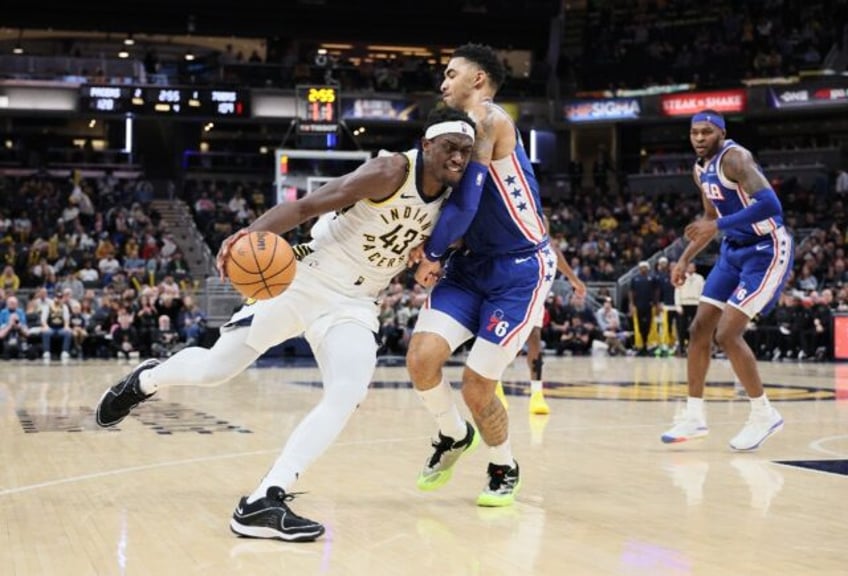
(519, 24)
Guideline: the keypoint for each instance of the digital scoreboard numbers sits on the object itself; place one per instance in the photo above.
(205, 102)
(317, 109)
(109, 99)
(165, 101)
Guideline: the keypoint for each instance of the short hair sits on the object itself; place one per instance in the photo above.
(486, 58)
(446, 114)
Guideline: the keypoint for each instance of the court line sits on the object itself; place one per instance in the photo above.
(119, 471)
(817, 445)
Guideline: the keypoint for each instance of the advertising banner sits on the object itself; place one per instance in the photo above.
(602, 110)
(690, 103)
(807, 97)
(379, 109)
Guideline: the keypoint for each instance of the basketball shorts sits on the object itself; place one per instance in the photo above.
(498, 300)
(310, 307)
(751, 278)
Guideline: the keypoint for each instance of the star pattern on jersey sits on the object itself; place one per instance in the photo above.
(782, 251)
(516, 191)
(550, 262)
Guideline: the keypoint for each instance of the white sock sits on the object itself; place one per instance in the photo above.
(760, 405)
(146, 382)
(535, 386)
(440, 403)
(502, 455)
(695, 407)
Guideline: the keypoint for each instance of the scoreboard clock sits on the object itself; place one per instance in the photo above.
(165, 100)
(317, 109)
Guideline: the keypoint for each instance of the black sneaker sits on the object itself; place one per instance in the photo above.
(271, 517)
(439, 467)
(503, 485)
(121, 398)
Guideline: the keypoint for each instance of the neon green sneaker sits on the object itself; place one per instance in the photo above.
(439, 467)
(538, 405)
(504, 483)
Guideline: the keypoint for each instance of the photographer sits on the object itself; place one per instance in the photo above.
(13, 330)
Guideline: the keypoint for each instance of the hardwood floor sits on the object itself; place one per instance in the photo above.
(601, 494)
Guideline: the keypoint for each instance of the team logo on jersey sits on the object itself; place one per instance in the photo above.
(497, 324)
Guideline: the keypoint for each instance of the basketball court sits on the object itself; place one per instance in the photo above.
(601, 495)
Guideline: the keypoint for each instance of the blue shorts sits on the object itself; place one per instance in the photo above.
(497, 298)
(751, 277)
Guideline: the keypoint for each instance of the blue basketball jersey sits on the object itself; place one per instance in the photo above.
(509, 218)
(729, 197)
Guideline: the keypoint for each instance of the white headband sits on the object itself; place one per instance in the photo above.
(450, 127)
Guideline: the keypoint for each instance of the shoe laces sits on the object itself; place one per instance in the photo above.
(442, 445)
(498, 476)
(281, 497)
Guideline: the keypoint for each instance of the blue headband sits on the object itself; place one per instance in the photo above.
(713, 119)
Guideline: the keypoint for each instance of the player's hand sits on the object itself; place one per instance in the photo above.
(224, 252)
(579, 288)
(678, 273)
(428, 272)
(701, 230)
(416, 255)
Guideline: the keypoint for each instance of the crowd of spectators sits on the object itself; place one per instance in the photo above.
(712, 44)
(89, 271)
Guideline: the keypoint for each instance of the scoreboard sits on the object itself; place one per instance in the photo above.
(164, 101)
(317, 109)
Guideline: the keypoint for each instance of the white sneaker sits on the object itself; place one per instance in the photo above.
(686, 429)
(756, 430)
(65, 356)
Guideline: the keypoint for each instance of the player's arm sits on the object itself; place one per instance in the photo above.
(699, 233)
(738, 165)
(566, 270)
(459, 209)
(378, 178)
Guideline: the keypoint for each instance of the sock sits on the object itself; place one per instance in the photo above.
(695, 407)
(440, 403)
(146, 382)
(502, 455)
(760, 405)
(535, 386)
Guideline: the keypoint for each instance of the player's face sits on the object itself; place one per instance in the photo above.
(706, 138)
(458, 84)
(447, 157)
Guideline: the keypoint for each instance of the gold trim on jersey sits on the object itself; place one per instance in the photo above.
(410, 173)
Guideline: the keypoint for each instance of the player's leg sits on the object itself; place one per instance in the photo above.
(346, 356)
(436, 335)
(252, 330)
(501, 395)
(765, 270)
(507, 318)
(535, 361)
(720, 284)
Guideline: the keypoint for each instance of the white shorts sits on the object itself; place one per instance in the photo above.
(486, 358)
(310, 306)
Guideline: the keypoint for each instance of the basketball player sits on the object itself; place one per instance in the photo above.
(535, 358)
(494, 287)
(754, 263)
(394, 198)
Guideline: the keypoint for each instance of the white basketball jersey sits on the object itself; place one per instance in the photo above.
(367, 244)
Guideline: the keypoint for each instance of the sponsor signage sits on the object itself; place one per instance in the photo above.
(601, 110)
(807, 97)
(693, 102)
(378, 109)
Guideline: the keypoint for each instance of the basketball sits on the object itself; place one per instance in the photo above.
(261, 265)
